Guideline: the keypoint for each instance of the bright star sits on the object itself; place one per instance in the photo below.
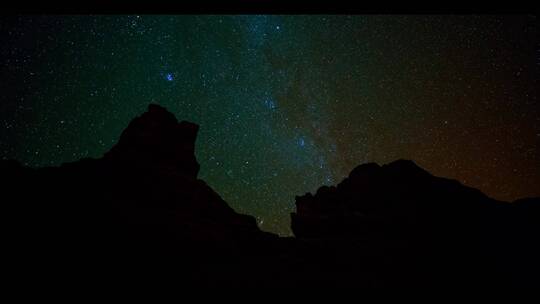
(270, 104)
(169, 77)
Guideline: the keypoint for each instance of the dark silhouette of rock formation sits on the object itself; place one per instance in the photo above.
(141, 204)
(140, 215)
(446, 232)
(158, 141)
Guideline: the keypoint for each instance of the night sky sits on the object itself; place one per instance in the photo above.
(285, 104)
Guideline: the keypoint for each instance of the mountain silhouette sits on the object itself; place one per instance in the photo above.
(443, 230)
(140, 204)
(140, 214)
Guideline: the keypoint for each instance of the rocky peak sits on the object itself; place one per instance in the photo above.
(400, 188)
(157, 140)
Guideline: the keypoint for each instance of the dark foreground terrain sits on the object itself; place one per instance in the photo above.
(140, 215)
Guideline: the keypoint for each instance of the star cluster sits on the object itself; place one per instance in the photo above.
(285, 104)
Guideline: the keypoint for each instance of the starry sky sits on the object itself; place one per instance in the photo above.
(285, 104)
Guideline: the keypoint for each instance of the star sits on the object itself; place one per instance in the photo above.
(270, 104)
(169, 77)
(301, 142)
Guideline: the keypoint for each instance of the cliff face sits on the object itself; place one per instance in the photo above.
(140, 203)
(156, 140)
(399, 193)
(444, 230)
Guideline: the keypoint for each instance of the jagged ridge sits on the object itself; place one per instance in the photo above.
(141, 204)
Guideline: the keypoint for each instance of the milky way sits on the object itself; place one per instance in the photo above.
(285, 104)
